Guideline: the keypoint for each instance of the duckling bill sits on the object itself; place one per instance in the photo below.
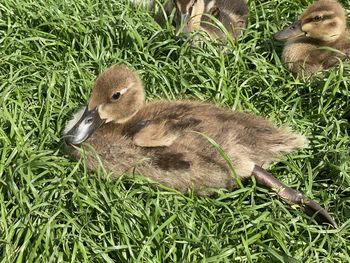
(290, 32)
(80, 131)
(323, 24)
(164, 141)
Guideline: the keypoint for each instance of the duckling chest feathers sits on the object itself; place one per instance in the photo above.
(312, 56)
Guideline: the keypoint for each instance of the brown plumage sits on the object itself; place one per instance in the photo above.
(198, 15)
(164, 140)
(323, 24)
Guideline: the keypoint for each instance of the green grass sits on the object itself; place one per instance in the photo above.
(53, 209)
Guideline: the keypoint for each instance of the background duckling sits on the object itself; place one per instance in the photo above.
(198, 15)
(323, 24)
(164, 140)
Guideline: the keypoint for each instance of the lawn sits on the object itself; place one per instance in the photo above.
(53, 209)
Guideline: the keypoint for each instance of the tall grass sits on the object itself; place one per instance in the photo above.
(53, 209)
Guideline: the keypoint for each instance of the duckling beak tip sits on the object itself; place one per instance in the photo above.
(84, 127)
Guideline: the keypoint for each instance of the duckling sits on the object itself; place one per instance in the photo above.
(198, 15)
(167, 141)
(323, 24)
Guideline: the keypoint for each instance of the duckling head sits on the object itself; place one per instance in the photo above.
(116, 96)
(188, 15)
(324, 20)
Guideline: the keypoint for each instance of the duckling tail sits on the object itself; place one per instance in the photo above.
(292, 196)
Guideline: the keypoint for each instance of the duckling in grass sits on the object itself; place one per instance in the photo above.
(198, 15)
(167, 141)
(318, 40)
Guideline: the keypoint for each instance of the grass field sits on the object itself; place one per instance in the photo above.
(53, 209)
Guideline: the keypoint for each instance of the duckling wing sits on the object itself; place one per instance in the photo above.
(161, 124)
(154, 134)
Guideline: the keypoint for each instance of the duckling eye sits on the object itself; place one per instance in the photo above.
(89, 120)
(116, 95)
(317, 18)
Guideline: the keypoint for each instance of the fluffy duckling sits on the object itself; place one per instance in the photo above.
(164, 140)
(198, 15)
(323, 24)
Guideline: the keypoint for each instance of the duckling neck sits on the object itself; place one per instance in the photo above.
(128, 114)
(125, 119)
(339, 42)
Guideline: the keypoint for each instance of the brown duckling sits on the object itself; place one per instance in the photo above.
(193, 15)
(164, 140)
(323, 24)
